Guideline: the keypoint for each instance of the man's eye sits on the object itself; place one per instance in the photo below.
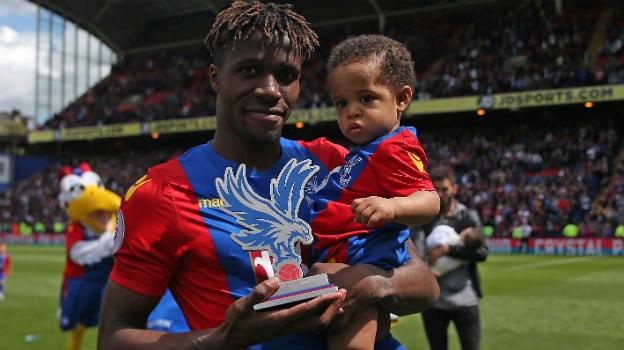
(249, 71)
(288, 77)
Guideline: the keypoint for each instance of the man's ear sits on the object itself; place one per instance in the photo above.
(213, 75)
(403, 98)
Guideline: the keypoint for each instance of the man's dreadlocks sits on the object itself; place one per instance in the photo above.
(275, 22)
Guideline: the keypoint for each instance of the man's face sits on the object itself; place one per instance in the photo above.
(446, 190)
(257, 89)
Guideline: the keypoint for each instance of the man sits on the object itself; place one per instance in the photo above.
(176, 230)
(459, 289)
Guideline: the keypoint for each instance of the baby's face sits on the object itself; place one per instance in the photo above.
(470, 239)
(366, 109)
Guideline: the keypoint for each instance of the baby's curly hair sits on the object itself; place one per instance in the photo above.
(274, 21)
(394, 60)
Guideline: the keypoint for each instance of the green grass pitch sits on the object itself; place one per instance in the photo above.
(531, 302)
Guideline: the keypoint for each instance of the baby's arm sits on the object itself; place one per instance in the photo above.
(416, 209)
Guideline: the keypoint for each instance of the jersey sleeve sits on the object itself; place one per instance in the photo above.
(401, 167)
(146, 239)
(329, 153)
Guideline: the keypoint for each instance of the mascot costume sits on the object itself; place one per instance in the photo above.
(89, 248)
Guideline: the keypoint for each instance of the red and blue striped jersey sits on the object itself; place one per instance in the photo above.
(393, 165)
(5, 264)
(176, 235)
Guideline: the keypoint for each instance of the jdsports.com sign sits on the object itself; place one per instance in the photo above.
(560, 246)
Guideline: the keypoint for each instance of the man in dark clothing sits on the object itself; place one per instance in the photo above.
(460, 289)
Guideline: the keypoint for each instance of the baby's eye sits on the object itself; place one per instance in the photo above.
(366, 99)
(340, 104)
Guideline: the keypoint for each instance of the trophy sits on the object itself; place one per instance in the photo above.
(272, 225)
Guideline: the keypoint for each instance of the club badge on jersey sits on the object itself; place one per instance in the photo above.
(270, 224)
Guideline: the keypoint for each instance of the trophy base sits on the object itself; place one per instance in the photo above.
(297, 291)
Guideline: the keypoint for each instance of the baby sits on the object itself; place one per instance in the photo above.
(361, 210)
(444, 234)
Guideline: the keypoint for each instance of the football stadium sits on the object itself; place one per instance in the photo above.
(518, 106)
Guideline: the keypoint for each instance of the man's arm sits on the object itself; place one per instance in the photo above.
(461, 252)
(124, 314)
(471, 255)
(408, 289)
(405, 290)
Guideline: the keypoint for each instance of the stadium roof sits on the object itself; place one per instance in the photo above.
(136, 25)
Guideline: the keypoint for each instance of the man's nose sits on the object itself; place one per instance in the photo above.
(269, 89)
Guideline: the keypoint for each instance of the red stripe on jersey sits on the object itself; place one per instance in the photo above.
(169, 245)
(336, 228)
(319, 148)
(338, 253)
(392, 170)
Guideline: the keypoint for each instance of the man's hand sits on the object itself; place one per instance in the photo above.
(122, 325)
(373, 211)
(243, 326)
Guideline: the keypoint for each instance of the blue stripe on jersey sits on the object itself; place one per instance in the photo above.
(203, 166)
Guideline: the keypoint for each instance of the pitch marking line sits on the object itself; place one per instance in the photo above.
(550, 263)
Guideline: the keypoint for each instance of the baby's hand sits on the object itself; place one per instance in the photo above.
(373, 211)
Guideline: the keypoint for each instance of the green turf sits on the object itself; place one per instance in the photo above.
(540, 302)
(29, 311)
(531, 302)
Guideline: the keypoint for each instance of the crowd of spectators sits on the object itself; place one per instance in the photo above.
(144, 88)
(609, 205)
(514, 173)
(545, 177)
(32, 206)
(526, 46)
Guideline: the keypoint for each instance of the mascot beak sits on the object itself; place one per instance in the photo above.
(92, 200)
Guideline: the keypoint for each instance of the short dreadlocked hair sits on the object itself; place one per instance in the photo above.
(395, 61)
(275, 22)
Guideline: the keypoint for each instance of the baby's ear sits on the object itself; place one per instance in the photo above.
(403, 98)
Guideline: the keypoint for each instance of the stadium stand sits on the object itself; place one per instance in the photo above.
(565, 168)
(525, 47)
(510, 171)
(514, 173)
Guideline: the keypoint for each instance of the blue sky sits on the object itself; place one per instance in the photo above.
(19, 21)
(17, 55)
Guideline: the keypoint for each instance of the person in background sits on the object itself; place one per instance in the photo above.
(460, 288)
(5, 265)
